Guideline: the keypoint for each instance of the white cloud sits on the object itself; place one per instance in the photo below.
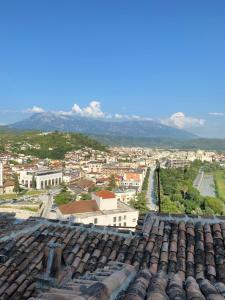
(181, 121)
(35, 109)
(63, 113)
(120, 116)
(76, 109)
(93, 110)
(133, 117)
(217, 114)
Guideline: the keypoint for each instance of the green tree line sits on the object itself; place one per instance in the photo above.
(179, 195)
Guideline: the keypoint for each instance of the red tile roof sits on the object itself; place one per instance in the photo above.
(188, 253)
(82, 206)
(8, 183)
(105, 194)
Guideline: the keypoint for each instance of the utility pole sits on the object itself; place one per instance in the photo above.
(158, 183)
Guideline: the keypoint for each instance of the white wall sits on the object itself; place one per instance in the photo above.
(42, 181)
(53, 179)
(105, 204)
(126, 219)
(125, 196)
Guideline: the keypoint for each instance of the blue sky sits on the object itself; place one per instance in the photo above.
(145, 58)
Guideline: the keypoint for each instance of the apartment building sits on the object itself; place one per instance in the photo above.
(104, 209)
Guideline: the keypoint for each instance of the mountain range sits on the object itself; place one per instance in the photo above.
(49, 121)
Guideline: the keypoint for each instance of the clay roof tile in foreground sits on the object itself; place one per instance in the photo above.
(168, 257)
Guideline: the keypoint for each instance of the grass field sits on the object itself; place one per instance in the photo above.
(27, 208)
(28, 193)
(220, 184)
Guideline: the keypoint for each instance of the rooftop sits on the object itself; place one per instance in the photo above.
(88, 208)
(82, 183)
(77, 207)
(169, 257)
(47, 172)
(105, 194)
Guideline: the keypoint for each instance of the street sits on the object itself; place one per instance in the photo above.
(150, 195)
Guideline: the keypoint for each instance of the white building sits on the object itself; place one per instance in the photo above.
(125, 196)
(43, 179)
(133, 180)
(177, 163)
(103, 209)
(94, 167)
(7, 185)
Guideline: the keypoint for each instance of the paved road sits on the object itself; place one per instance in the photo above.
(47, 200)
(207, 187)
(150, 195)
(204, 183)
(198, 179)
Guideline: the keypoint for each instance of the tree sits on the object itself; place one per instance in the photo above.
(190, 206)
(33, 183)
(146, 180)
(140, 203)
(215, 204)
(85, 196)
(94, 189)
(171, 207)
(177, 198)
(64, 197)
(17, 188)
(112, 183)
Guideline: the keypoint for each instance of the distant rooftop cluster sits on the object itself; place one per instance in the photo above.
(168, 257)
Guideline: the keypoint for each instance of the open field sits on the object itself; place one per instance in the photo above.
(27, 208)
(28, 193)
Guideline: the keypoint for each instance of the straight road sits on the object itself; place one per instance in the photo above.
(204, 183)
(150, 195)
(48, 201)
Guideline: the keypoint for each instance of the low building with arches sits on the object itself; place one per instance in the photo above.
(40, 179)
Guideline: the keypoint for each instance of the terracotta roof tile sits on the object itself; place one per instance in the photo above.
(172, 257)
(105, 194)
(79, 207)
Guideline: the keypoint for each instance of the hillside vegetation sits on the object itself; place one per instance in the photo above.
(163, 143)
(52, 145)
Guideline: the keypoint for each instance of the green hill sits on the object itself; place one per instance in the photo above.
(163, 143)
(52, 145)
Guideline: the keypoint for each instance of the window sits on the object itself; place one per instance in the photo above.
(124, 217)
(124, 224)
(114, 219)
(114, 224)
(119, 224)
(95, 221)
(120, 218)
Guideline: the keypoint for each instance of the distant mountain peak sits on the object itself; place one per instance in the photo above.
(50, 121)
